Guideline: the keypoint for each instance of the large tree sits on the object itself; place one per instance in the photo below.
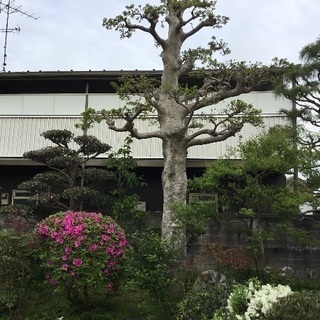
(170, 24)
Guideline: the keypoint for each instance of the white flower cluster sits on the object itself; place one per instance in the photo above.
(242, 292)
(260, 299)
(263, 299)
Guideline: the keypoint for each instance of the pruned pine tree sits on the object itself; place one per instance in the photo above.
(170, 24)
(301, 84)
(68, 177)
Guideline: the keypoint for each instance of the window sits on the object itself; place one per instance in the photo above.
(20, 196)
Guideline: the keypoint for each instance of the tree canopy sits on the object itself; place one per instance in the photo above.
(252, 193)
(301, 84)
(246, 184)
(177, 108)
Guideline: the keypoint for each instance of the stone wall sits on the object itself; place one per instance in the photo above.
(285, 254)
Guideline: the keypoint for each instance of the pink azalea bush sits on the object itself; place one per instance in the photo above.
(81, 249)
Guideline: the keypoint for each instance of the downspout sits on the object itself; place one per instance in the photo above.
(295, 128)
(86, 106)
(85, 132)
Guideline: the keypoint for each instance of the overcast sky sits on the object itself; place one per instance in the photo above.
(69, 35)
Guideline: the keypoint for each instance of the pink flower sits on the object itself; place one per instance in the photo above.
(77, 262)
(96, 219)
(60, 240)
(77, 243)
(118, 252)
(67, 250)
(106, 272)
(105, 237)
(93, 247)
(111, 228)
(54, 235)
(43, 230)
(123, 242)
(110, 250)
(64, 257)
(64, 267)
(111, 263)
(78, 229)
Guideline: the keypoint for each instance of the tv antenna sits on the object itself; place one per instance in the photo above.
(10, 8)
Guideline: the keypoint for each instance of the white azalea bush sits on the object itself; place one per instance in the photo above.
(262, 300)
(252, 301)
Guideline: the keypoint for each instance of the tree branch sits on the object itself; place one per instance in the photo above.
(129, 126)
(214, 136)
(234, 117)
(209, 22)
(147, 13)
(218, 86)
(151, 30)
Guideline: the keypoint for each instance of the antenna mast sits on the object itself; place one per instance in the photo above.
(9, 8)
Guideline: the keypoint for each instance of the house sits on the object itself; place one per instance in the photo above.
(33, 102)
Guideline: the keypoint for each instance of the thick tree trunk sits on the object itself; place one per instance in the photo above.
(174, 184)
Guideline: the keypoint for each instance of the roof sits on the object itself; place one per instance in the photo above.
(65, 81)
(76, 81)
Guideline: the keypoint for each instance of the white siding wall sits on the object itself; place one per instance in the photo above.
(73, 104)
(19, 134)
(24, 117)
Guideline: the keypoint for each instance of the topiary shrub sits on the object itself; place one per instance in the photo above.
(299, 305)
(80, 250)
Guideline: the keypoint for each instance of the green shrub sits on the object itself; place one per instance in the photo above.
(18, 271)
(80, 251)
(297, 306)
(150, 268)
(286, 276)
(47, 305)
(202, 305)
